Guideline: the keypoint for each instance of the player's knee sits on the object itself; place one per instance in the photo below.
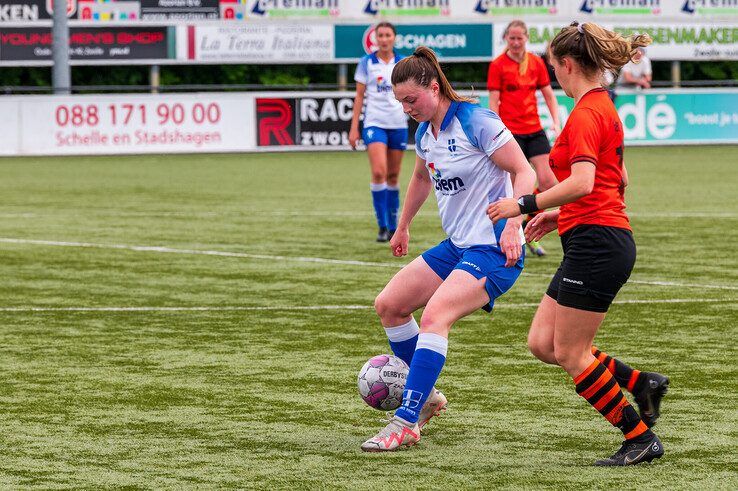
(566, 356)
(379, 176)
(434, 321)
(392, 179)
(540, 349)
(387, 308)
(381, 305)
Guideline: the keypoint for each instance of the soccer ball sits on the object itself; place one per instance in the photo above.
(382, 380)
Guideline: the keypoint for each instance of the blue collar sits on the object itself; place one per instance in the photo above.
(375, 58)
(449, 114)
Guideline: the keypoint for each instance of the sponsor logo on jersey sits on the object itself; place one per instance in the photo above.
(383, 86)
(448, 186)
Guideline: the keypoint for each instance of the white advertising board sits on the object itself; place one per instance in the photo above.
(104, 11)
(671, 41)
(294, 121)
(10, 108)
(254, 43)
(130, 124)
(476, 10)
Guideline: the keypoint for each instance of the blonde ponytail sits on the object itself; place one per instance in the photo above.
(595, 48)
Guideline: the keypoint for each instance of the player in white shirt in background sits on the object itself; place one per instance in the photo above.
(385, 127)
(471, 159)
(636, 74)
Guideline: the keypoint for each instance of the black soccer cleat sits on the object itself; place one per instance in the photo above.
(634, 453)
(383, 235)
(649, 397)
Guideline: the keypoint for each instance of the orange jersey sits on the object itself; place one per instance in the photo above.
(518, 105)
(593, 133)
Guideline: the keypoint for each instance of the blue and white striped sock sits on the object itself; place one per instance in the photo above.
(402, 339)
(428, 361)
(379, 198)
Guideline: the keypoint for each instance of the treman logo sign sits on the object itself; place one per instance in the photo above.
(296, 8)
(621, 7)
(449, 41)
(516, 7)
(710, 7)
(412, 8)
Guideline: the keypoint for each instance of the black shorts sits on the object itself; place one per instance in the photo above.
(597, 263)
(533, 144)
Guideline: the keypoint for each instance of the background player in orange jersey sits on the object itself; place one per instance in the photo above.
(599, 251)
(512, 81)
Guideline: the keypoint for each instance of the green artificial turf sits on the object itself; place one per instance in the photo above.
(255, 385)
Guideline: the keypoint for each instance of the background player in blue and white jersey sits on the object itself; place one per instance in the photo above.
(385, 127)
(467, 155)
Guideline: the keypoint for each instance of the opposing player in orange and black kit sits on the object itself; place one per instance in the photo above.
(647, 387)
(512, 80)
(599, 250)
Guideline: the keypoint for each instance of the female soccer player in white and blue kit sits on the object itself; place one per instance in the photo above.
(471, 159)
(385, 127)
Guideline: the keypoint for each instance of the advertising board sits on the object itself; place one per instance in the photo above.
(459, 42)
(275, 121)
(136, 123)
(671, 41)
(33, 44)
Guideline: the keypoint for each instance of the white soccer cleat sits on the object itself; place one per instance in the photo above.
(398, 433)
(434, 406)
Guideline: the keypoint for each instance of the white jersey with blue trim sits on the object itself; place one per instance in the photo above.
(381, 109)
(463, 173)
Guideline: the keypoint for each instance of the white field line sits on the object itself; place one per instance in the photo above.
(316, 213)
(501, 305)
(169, 250)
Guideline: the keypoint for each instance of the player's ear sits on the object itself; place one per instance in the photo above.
(568, 63)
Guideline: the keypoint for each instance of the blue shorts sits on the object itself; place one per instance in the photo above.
(394, 139)
(483, 261)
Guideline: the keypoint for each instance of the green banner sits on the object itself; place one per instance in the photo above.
(666, 117)
(450, 41)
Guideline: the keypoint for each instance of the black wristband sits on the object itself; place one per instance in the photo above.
(527, 204)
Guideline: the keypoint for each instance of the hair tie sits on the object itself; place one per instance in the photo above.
(580, 28)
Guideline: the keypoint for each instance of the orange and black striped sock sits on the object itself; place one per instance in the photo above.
(626, 376)
(599, 387)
